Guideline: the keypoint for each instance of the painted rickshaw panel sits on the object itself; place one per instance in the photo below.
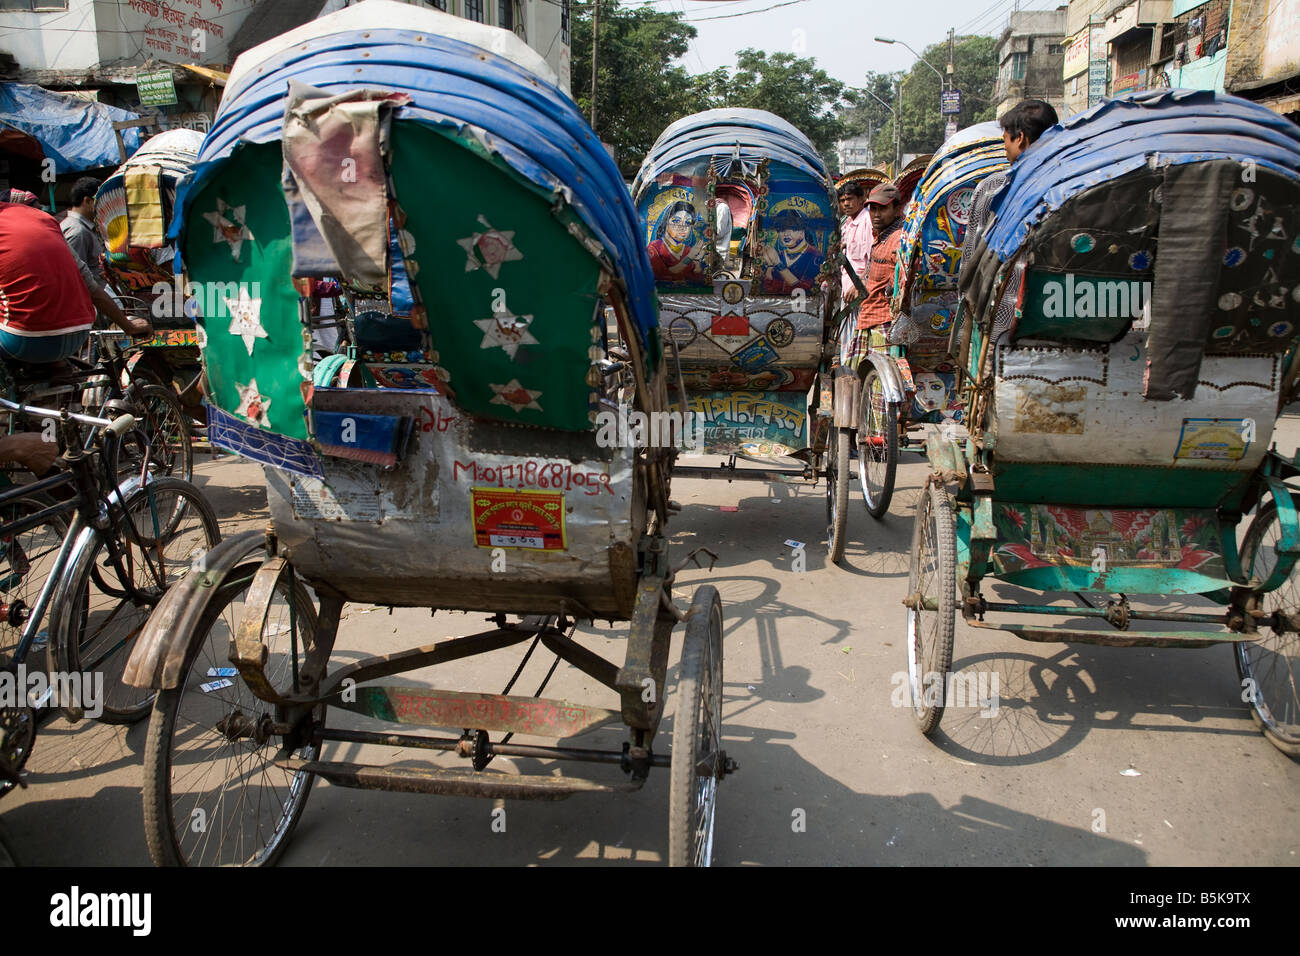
(508, 228)
(749, 347)
(1084, 461)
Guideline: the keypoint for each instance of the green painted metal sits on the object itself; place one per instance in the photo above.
(451, 192)
(260, 269)
(1078, 307)
(1059, 635)
(1120, 486)
(1288, 546)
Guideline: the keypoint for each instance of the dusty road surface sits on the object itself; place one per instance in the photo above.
(1093, 755)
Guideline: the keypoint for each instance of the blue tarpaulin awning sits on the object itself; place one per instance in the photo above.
(76, 134)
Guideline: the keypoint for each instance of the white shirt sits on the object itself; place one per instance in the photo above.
(856, 233)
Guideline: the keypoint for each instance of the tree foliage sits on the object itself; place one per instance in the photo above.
(794, 88)
(641, 87)
(975, 72)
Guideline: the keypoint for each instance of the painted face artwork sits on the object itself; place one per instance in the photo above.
(931, 392)
(679, 227)
(936, 397)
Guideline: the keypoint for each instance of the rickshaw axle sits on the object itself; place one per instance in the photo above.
(456, 745)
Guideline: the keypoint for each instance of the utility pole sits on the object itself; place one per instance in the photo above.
(595, 26)
(898, 131)
(950, 43)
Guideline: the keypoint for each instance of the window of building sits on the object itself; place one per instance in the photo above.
(1018, 65)
(439, 4)
(474, 10)
(506, 14)
(1055, 49)
(564, 21)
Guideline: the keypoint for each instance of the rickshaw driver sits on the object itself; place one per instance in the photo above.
(884, 207)
(857, 236)
(1022, 126)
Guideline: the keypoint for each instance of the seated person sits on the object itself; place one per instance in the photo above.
(46, 303)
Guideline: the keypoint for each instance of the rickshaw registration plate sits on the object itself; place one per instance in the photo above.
(516, 518)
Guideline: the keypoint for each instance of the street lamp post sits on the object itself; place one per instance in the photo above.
(933, 69)
(897, 135)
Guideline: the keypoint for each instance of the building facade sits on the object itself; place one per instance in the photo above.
(96, 47)
(1031, 56)
(854, 153)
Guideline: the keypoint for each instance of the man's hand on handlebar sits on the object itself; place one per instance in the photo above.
(136, 328)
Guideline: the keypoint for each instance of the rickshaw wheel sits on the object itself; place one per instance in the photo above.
(237, 807)
(877, 447)
(171, 448)
(1272, 664)
(932, 578)
(837, 496)
(697, 735)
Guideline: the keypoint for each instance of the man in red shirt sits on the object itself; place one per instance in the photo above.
(46, 309)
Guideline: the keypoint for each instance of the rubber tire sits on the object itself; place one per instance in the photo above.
(837, 496)
(158, 816)
(193, 503)
(699, 681)
(934, 541)
(168, 416)
(1260, 710)
(885, 454)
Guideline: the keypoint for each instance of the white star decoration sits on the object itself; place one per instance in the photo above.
(488, 250)
(246, 319)
(506, 330)
(253, 405)
(232, 230)
(516, 396)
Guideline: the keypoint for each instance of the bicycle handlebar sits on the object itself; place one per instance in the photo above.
(118, 426)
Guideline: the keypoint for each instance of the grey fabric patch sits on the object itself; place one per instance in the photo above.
(1193, 230)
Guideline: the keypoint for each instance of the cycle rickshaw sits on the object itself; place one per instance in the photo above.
(908, 379)
(1128, 346)
(450, 459)
(132, 211)
(738, 217)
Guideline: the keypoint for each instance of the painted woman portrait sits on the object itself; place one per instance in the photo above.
(673, 256)
(793, 263)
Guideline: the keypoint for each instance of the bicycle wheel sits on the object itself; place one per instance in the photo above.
(697, 736)
(167, 428)
(931, 587)
(103, 622)
(26, 560)
(837, 496)
(1270, 667)
(212, 792)
(877, 445)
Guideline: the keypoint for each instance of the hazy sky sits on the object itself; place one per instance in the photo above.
(837, 33)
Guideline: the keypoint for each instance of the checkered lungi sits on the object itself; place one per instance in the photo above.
(855, 343)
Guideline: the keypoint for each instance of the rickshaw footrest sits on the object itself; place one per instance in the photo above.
(1064, 635)
(460, 783)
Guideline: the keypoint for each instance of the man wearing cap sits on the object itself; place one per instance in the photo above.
(884, 207)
